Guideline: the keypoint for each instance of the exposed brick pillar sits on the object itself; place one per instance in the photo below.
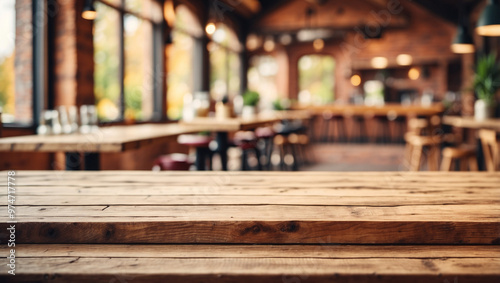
(24, 61)
(74, 56)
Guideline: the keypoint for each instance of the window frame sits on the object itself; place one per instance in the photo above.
(157, 63)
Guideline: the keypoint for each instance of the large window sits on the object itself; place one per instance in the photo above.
(181, 66)
(262, 77)
(16, 49)
(124, 59)
(224, 50)
(316, 79)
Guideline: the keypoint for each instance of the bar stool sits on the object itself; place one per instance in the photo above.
(265, 143)
(382, 132)
(174, 161)
(336, 124)
(247, 142)
(466, 155)
(286, 153)
(302, 150)
(201, 145)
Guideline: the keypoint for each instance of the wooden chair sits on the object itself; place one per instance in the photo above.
(491, 149)
(465, 154)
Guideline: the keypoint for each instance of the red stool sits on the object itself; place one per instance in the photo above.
(247, 142)
(174, 161)
(201, 144)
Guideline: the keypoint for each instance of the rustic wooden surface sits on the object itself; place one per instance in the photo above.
(254, 263)
(107, 139)
(470, 122)
(273, 207)
(236, 124)
(388, 108)
(128, 226)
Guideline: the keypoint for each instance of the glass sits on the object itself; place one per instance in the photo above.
(139, 74)
(107, 62)
(8, 101)
(180, 74)
(218, 71)
(262, 77)
(317, 78)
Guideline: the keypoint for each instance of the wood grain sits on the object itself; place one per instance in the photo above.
(255, 207)
(215, 263)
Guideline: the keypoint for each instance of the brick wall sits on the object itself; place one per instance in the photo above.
(414, 31)
(24, 61)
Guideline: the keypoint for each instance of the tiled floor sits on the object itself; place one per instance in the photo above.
(357, 157)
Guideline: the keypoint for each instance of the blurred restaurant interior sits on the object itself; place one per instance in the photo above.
(356, 73)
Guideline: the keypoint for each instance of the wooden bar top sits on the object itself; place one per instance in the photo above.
(263, 207)
(105, 139)
(388, 108)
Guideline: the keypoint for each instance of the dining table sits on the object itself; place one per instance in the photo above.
(223, 126)
(391, 109)
(144, 226)
(469, 122)
(99, 140)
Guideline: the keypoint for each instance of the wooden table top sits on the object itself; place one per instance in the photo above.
(106, 139)
(260, 207)
(470, 122)
(388, 108)
(236, 124)
(111, 226)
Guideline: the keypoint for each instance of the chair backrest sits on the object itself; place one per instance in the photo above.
(491, 150)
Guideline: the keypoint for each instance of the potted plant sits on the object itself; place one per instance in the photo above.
(486, 83)
(250, 101)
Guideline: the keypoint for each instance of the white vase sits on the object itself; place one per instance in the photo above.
(482, 110)
(248, 112)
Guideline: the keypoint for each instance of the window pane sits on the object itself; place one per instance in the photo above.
(180, 74)
(316, 79)
(262, 78)
(234, 74)
(218, 71)
(139, 74)
(15, 109)
(107, 62)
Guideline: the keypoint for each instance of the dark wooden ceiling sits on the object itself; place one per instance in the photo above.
(446, 9)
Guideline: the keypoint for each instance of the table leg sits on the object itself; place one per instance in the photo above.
(73, 161)
(222, 145)
(92, 161)
(479, 155)
(200, 158)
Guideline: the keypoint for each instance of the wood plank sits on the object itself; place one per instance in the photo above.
(224, 199)
(162, 230)
(252, 251)
(255, 270)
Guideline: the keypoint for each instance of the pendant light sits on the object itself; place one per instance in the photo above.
(89, 12)
(463, 42)
(489, 21)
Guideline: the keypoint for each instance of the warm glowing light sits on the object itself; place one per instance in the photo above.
(169, 12)
(253, 42)
(404, 59)
(355, 80)
(89, 15)
(269, 44)
(462, 48)
(210, 28)
(379, 62)
(492, 30)
(414, 74)
(318, 44)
